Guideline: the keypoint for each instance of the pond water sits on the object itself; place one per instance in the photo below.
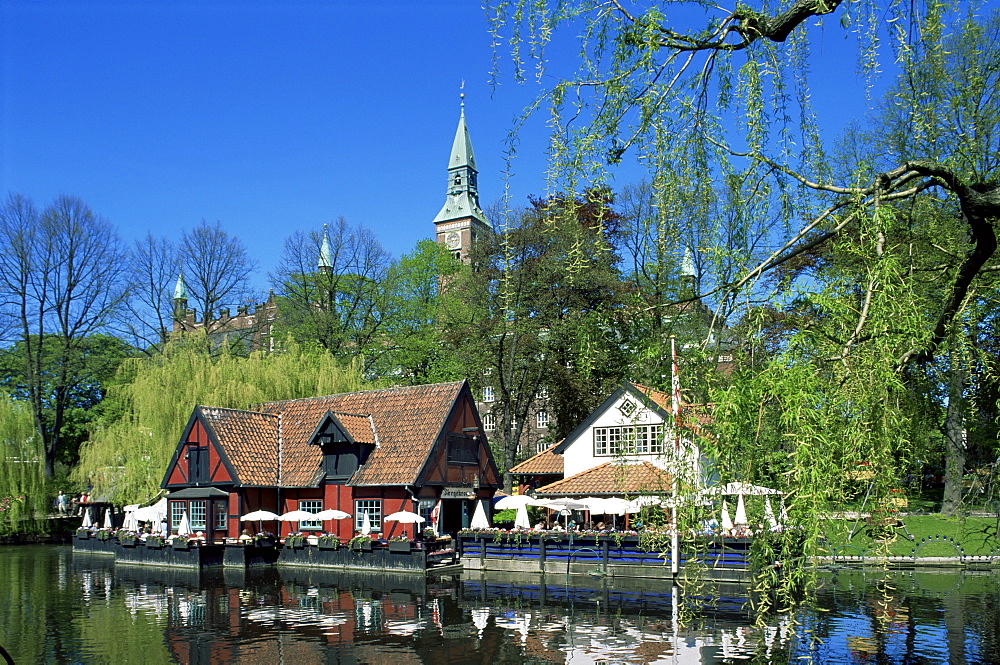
(57, 607)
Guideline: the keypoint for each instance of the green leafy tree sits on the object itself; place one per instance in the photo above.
(79, 380)
(420, 298)
(331, 289)
(546, 310)
(147, 409)
(61, 281)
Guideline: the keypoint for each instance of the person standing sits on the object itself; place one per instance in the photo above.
(61, 504)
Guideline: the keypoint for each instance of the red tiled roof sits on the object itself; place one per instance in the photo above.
(660, 398)
(360, 427)
(407, 422)
(544, 463)
(250, 441)
(612, 478)
(693, 416)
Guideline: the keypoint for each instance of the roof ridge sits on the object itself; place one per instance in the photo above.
(205, 407)
(361, 392)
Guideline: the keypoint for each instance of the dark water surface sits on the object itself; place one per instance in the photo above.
(56, 607)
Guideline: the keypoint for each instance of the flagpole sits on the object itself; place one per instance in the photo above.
(675, 385)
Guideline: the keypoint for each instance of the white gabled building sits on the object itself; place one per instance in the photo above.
(632, 427)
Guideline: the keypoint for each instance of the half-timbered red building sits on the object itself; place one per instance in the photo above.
(369, 454)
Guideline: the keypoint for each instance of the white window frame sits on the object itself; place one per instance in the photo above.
(177, 509)
(541, 419)
(489, 422)
(374, 509)
(628, 440)
(488, 395)
(198, 514)
(311, 506)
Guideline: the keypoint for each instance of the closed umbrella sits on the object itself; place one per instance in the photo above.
(772, 523)
(366, 525)
(727, 521)
(108, 523)
(87, 523)
(131, 523)
(184, 528)
(479, 520)
(741, 511)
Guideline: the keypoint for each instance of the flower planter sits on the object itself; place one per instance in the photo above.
(329, 544)
(179, 544)
(295, 542)
(399, 546)
(83, 535)
(128, 541)
(154, 542)
(363, 546)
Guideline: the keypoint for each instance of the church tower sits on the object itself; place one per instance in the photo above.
(461, 221)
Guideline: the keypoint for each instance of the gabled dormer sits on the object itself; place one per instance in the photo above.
(346, 440)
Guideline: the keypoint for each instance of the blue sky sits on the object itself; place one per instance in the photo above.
(268, 117)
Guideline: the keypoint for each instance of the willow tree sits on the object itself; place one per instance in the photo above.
(23, 496)
(146, 412)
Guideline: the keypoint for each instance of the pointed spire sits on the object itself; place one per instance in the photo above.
(325, 253)
(180, 289)
(687, 265)
(462, 194)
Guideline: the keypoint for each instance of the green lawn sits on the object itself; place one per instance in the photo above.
(977, 535)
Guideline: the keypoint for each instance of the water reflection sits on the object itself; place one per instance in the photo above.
(56, 607)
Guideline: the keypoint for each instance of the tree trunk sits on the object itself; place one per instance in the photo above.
(954, 431)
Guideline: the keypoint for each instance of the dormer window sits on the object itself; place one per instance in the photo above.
(342, 454)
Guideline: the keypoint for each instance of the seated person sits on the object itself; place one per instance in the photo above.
(245, 536)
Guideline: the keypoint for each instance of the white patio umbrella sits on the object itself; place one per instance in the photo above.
(479, 520)
(260, 516)
(297, 516)
(772, 523)
(87, 523)
(331, 514)
(184, 528)
(741, 511)
(515, 501)
(108, 522)
(740, 488)
(521, 520)
(596, 504)
(727, 521)
(405, 517)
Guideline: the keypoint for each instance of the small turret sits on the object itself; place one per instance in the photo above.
(325, 262)
(689, 276)
(180, 298)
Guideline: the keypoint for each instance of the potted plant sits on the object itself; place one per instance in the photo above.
(399, 544)
(83, 533)
(328, 542)
(295, 541)
(154, 542)
(180, 542)
(127, 539)
(264, 539)
(361, 543)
